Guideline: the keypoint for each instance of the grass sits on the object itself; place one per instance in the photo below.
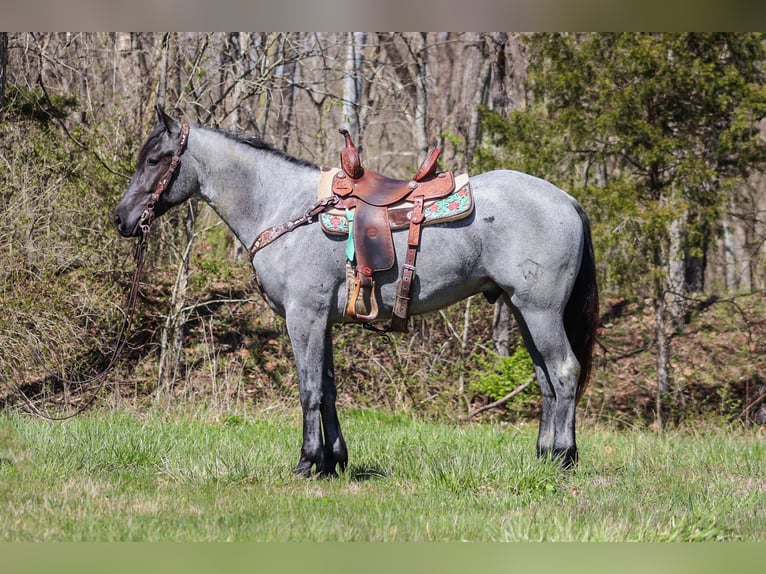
(160, 477)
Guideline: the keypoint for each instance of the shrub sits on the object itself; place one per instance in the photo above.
(496, 376)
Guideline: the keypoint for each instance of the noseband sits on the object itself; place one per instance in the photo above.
(148, 215)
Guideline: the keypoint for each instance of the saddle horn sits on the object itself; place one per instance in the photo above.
(349, 157)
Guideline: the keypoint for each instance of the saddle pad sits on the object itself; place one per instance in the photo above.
(455, 206)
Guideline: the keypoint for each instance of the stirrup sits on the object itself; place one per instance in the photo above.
(351, 309)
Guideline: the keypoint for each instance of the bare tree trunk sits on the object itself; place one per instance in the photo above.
(663, 342)
(421, 95)
(162, 71)
(352, 85)
(271, 42)
(481, 76)
(501, 328)
(289, 77)
(174, 71)
(122, 73)
(3, 65)
(499, 98)
(415, 84)
(676, 282)
(729, 257)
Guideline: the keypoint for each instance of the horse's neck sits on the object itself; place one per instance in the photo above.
(252, 189)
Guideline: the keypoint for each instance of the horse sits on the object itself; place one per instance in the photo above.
(526, 241)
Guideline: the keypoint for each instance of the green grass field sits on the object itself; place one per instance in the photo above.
(164, 477)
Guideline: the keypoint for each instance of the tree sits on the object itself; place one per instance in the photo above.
(652, 132)
(410, 62)
(352, 84)
(3, 64)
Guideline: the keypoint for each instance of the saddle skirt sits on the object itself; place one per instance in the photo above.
(455, 206)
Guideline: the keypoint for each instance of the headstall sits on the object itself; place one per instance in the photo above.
(148, 215)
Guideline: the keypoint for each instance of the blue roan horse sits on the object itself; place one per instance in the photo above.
(526, 241)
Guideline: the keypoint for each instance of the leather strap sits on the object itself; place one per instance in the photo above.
(162, 184)
(272, 233)
(402, 301)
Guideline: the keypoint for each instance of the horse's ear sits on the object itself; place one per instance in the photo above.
(163, 118)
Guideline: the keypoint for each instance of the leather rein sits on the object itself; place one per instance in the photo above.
(147, 217)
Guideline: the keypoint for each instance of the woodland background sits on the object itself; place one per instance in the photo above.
(659, 136)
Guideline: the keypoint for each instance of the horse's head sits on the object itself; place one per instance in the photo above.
(165, 143)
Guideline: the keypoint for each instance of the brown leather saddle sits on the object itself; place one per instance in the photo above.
(370, 195)
(377, 205)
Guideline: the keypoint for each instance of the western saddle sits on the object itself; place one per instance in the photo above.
(372, 205)
(370, 195)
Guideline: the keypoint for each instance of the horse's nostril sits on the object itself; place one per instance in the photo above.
(118, 222)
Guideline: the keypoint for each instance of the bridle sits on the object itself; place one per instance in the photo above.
(147, 217)
(162, 184)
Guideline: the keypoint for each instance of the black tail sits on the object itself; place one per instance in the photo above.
(581, 316)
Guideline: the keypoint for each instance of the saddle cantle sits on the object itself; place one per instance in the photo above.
(374, 205)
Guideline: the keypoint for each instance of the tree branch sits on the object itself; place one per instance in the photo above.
(500, 402)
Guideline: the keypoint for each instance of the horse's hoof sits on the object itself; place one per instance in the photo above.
(303, 469)
(329, 474)
(566, 457)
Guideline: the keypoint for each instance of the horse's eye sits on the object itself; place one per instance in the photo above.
(153, 161)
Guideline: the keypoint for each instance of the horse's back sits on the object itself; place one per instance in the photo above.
(523, 196)
(520, 217)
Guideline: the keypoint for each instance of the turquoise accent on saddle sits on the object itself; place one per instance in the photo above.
(455, 206)
(350, 251)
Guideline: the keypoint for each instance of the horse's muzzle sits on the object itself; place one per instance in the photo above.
(125, 229)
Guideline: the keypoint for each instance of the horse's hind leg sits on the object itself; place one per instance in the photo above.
(557, 372)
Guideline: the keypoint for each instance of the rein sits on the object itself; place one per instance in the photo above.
(147, 217)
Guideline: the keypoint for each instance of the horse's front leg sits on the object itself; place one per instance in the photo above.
(312, 346)
(335, 452)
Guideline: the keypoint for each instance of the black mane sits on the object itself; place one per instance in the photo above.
(258, 143)
(244, 139)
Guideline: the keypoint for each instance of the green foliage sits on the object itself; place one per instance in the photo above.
(521, 142)
(496, 375)
(644, 129)
(24, 102)
(58, 298)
